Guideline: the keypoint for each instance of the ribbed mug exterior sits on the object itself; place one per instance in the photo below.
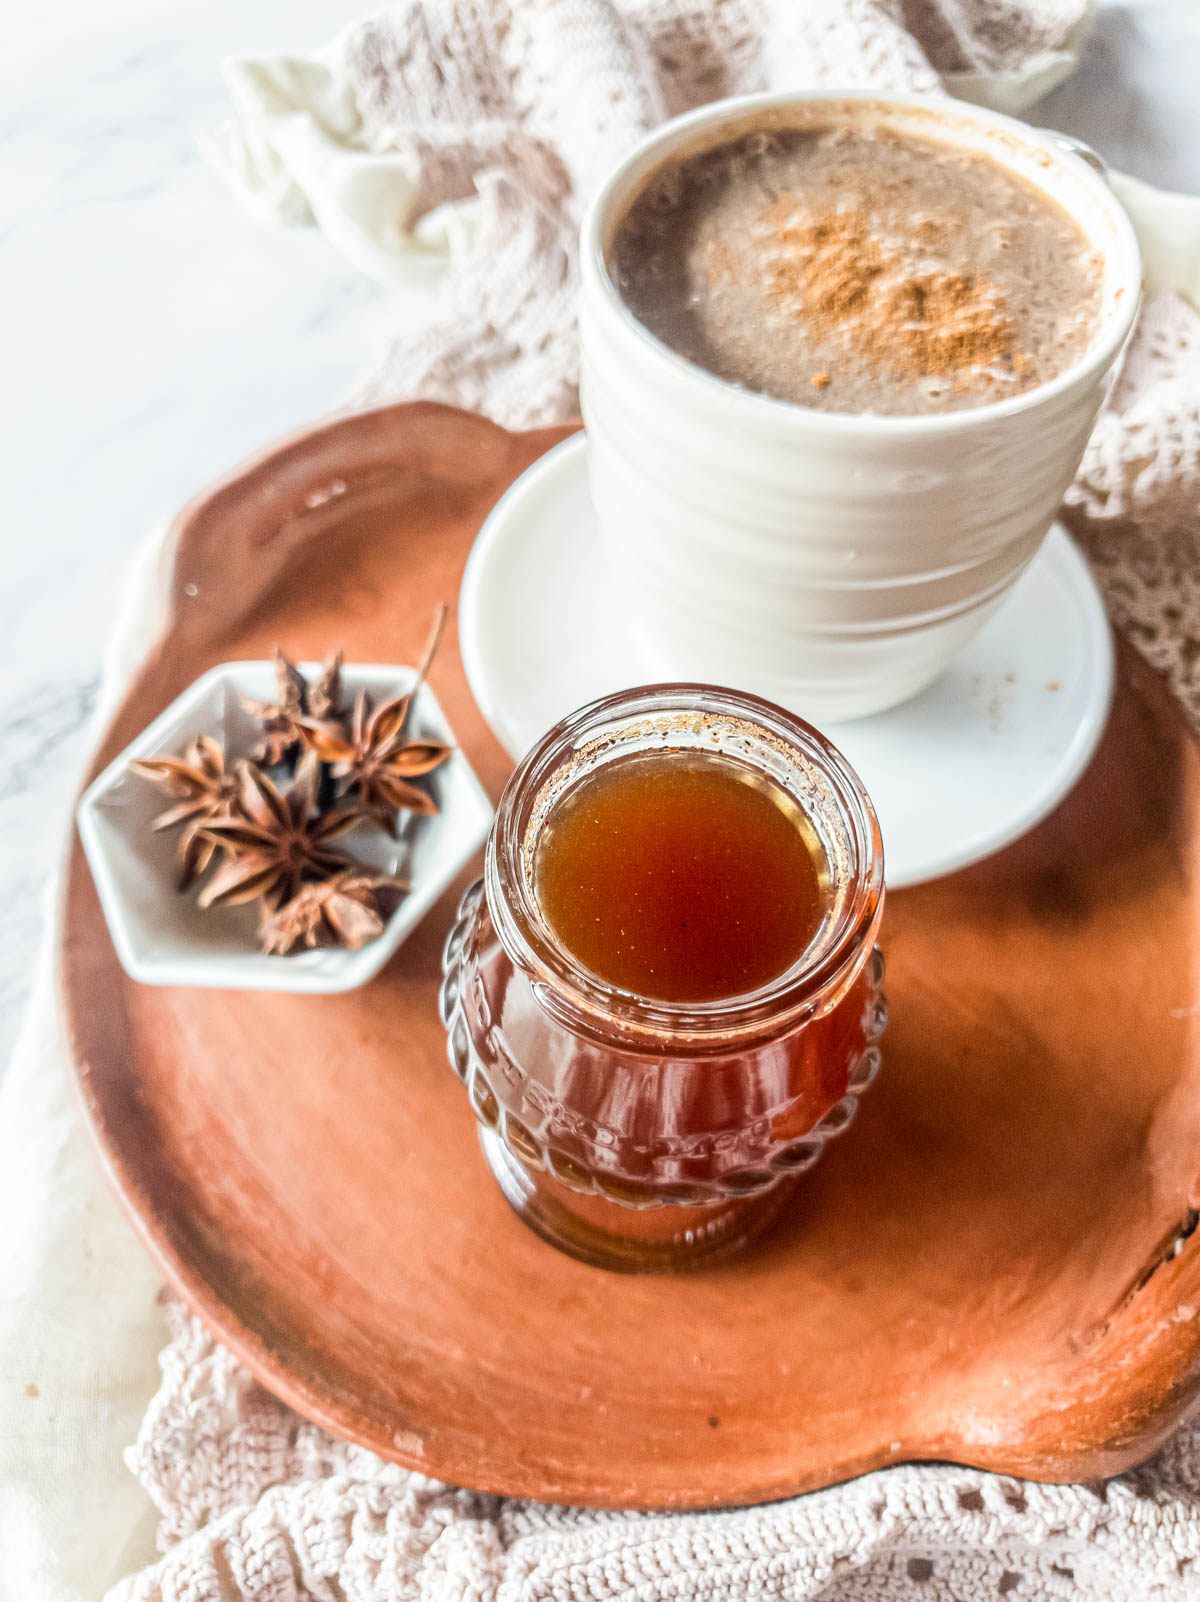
(833, 563)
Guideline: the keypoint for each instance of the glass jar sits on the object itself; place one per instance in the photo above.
(637, 1133)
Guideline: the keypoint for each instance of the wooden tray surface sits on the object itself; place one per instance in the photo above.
(995, 1266)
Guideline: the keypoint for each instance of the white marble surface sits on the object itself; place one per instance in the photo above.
(154, 335)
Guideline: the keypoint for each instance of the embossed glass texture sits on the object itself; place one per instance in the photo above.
(641, 1134)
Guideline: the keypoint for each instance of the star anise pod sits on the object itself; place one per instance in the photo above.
(348, 910)
(204, 791)
(276, 841)
(295, 699)
(372, 760)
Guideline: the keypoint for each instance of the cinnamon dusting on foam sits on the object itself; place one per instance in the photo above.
(858, 270)
(890, 303)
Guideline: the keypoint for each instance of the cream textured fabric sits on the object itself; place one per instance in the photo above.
(80, 1323)
(257, 1504)
(457, 139)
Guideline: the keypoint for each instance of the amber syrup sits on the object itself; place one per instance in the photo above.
(681, 876)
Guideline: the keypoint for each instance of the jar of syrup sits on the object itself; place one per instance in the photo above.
(664, 995)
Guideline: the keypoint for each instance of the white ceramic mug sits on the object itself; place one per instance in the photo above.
(831, 562)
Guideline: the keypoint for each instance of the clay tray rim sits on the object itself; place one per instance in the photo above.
(1133, 1319)
(281, 1382)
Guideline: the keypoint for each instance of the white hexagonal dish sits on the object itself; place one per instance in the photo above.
(163, 938)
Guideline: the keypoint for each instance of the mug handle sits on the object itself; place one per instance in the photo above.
(1076, 147)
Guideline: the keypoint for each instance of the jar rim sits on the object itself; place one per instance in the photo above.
(578, 995)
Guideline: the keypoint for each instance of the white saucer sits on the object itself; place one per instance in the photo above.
(957, 772)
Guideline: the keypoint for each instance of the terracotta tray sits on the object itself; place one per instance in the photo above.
(995, 1266)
